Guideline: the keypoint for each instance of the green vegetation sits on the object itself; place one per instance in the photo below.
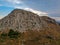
(13, 34)
(3, 35)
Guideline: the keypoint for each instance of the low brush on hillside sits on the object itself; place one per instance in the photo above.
(30, 37)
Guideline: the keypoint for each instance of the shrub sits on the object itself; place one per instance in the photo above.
(13, 34)
(3, 35)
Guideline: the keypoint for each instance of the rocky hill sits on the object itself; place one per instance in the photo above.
(22, 20)
(22, 27)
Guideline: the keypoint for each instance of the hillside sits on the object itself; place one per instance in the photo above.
(22, 20)
(22, 27)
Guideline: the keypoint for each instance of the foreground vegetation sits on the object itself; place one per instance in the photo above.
(30, 37)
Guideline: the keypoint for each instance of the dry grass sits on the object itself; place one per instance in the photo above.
(30, 37)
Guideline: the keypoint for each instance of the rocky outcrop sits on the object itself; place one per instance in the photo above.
(22, 20)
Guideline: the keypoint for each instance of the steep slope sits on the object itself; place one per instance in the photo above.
(22, 20)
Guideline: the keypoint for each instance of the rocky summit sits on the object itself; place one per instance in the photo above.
(22, 20)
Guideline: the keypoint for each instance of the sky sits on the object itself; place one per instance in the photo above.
(49, 8)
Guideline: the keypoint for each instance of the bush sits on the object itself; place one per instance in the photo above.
(13, 34)
(3, 35)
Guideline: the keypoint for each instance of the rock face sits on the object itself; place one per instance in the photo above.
(22, 20)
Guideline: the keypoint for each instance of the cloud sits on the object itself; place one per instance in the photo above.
(14, 1)
(40, 13)
(56, 18)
